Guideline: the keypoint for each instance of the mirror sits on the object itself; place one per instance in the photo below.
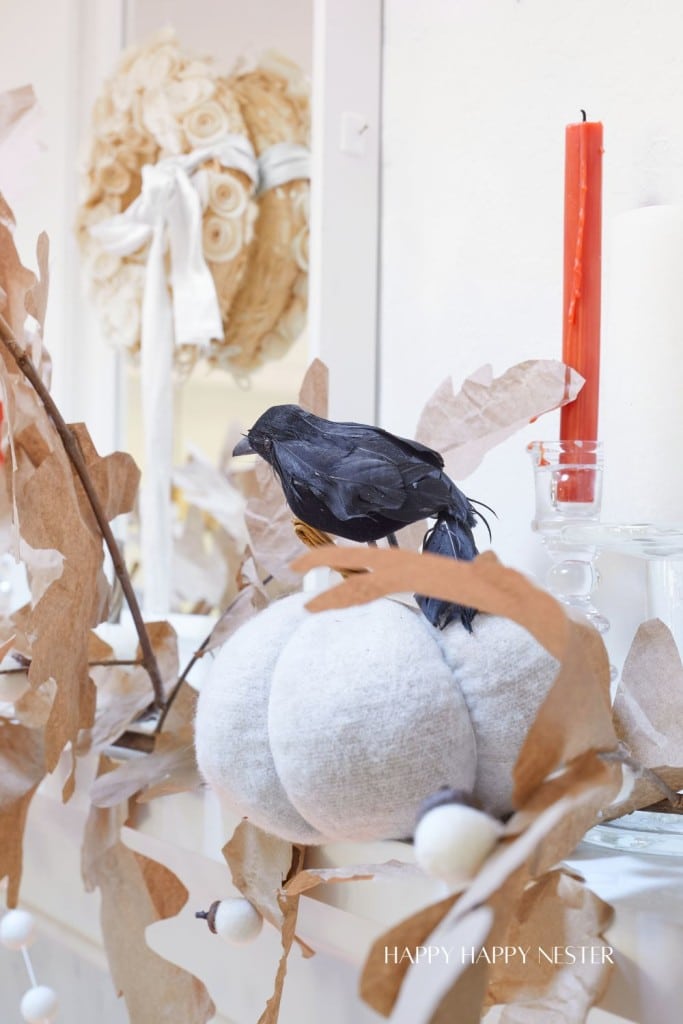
(211, 399)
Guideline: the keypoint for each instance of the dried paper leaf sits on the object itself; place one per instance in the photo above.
(481, 928)
(123, 692)
(36, 297)
(575, 716)
(555, 912)
(380, 981)
(484, 583)
(206, 562)
(54, 515)
(171, 768)
(182, 711)
(248, 602)
(135, 893)
(466, 996)
(288, 909)
(164, 641)
(648, 706)
(116, 477)
(272, 540)
(464, 426)
(57, 535)
(15, 280)
(306, 879)
(33, 707)
(22, 767)
(314, 392)
(36, 306)
(208, 489)
(259, 864)
(584, 789)
(645, 793)
(14, 103)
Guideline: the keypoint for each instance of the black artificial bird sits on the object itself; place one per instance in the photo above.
(363, 483)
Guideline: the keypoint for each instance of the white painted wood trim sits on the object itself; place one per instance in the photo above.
(93, 366)
(345, 201)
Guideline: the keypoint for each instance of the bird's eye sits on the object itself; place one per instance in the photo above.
(267, 444)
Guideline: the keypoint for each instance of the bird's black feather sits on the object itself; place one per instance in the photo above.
(363, 483)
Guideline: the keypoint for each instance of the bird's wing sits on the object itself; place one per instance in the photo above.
(356, 431)
(351, 483)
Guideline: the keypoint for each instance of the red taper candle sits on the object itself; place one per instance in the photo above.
(582, 275)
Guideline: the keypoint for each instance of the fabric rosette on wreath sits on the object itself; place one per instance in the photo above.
(193, 229)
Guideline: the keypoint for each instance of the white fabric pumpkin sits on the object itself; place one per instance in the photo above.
(334, 726)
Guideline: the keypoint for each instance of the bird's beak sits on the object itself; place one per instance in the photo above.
(243, 447)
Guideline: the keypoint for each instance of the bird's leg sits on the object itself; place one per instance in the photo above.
(393, 542)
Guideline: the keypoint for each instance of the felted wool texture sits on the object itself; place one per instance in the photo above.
(365, 721)
(231, 729)
(504, 675)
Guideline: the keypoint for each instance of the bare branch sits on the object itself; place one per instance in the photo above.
(75, 455)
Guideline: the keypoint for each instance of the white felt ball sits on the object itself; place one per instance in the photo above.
(17, 929)
(453, 840)
(39, 1005)
(237, 920)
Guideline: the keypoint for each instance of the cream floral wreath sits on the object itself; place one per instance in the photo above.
(161, 103)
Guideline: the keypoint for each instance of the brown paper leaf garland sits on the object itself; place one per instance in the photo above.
(22, 768)
(380, 987)
(289, 908)
(557, 912)
(648, 705)
(53, 514)
(315, 389)
(170, 768)
(136, 892)
(485, 411)
(485, 583)
(259, 864)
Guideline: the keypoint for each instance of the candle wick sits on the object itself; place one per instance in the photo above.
(583, 114)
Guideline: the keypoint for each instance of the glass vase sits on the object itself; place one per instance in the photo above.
(568, 492)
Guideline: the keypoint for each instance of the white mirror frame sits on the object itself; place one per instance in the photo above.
(345, 203)
(345, 213)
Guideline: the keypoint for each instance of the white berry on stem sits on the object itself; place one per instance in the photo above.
(39, 1004)
(453, 838)
(235, 919)
(17, 929)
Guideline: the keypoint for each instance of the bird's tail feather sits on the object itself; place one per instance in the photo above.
(451, 537)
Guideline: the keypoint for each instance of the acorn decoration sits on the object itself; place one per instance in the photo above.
(454, 836)
(235, 919)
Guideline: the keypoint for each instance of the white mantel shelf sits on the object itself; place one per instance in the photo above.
(186, 832)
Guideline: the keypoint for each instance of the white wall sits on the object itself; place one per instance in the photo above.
(476, 97)
(37, 46)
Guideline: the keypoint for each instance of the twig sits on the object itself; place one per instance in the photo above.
(622, 756)
(197, 655)
(75, 455)
(91, 664)
(115, 661)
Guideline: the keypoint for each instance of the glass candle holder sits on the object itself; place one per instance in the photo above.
(568, 489)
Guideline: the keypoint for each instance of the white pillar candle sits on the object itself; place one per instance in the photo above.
(642, 368)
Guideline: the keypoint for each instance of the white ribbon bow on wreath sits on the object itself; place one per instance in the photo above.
(168, 211)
